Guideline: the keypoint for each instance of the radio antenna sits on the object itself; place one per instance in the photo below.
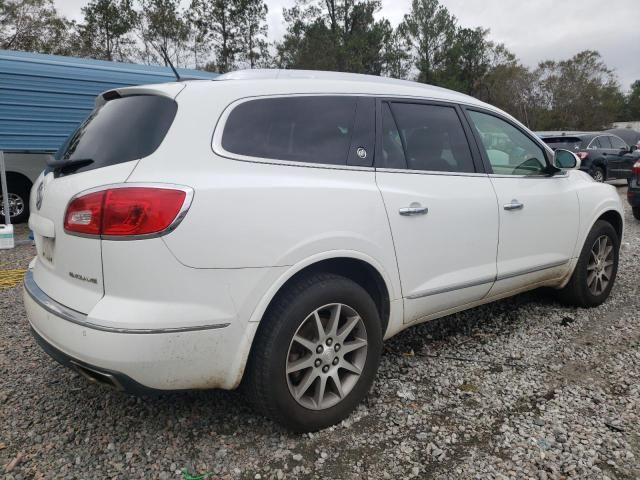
(167, 60)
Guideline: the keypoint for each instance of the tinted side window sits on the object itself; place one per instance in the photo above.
(433, 138)
(121, 130)
(617, 143)
(510, 151)
(603, 142)
(392, 151)
(303, 129)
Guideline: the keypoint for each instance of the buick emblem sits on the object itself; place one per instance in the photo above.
(361, 152)
(39, 195)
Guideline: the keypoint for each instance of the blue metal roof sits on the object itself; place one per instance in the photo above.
(43, 98)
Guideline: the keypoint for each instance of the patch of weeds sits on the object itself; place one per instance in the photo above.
(189, 476)
(469, 387)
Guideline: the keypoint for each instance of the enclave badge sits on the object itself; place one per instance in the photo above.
(77, 276)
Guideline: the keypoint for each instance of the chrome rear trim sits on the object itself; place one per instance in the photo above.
(73, 316)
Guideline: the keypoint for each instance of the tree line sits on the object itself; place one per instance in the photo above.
(429, 45)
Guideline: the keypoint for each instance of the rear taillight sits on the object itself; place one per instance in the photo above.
(126, 211)
(636, 169)
(582, 155)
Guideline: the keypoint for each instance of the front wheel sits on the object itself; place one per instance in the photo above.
(596, 270)
(316, 353)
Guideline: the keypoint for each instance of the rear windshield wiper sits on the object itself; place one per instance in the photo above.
(69, 165)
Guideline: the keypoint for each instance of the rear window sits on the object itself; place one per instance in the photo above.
(303, 129)
(565, 143)
(120, 130)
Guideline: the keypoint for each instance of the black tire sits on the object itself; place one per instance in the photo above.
(576, 292)
(21, 189)
(266, 382)
(636, 212)
(598, 174)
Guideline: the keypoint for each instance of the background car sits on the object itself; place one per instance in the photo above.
(22, 171)
(629, 135)
(633, 193)
(603, 156)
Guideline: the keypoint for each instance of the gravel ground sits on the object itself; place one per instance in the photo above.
(522, 388)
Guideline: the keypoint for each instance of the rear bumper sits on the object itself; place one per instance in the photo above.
(138, 360)
(116, 380)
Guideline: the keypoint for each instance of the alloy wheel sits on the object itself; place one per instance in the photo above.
(326, 356)
(16, 205)
(600, 266)
(598, 176)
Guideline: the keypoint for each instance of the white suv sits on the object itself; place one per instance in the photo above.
(270, 228)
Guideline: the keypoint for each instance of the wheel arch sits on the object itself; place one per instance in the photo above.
(615, 219)
(363, 271)
(17, 177)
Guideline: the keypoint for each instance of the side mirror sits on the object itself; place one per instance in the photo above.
(565, 159)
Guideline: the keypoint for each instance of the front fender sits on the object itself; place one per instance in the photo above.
(595, 199)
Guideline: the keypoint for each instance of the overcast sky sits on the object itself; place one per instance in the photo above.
(534, 30)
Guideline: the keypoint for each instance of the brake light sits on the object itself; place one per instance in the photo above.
(582, 155)
(84, 214)
(636, 169)
(124, 212)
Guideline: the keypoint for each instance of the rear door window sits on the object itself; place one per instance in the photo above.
(601, 142)
(392, 152)
(120, 130)
(312, 129)
(432, 137)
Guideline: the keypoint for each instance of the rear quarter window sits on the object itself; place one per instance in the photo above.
(120, 130)
(311, 129)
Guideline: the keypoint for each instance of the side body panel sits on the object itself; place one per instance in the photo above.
(447, 256)
(266, 214)
(537, 241)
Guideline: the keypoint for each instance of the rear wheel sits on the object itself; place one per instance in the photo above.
(596, 270)
(316, 353)
(598, 174)
(18, 201)
(636, 212)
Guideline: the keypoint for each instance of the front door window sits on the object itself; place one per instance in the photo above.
(510, 151)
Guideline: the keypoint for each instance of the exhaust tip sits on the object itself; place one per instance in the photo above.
(96, 376)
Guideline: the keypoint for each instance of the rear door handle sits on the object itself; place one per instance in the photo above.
(406, 211)
(514, 205)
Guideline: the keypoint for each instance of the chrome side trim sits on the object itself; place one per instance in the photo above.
(73, 316)
(562, 174)
(526, 271)
(407, 171)
(484, 281)
(451, 288)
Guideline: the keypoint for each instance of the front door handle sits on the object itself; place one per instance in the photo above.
(406, 211)
(514, 205)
